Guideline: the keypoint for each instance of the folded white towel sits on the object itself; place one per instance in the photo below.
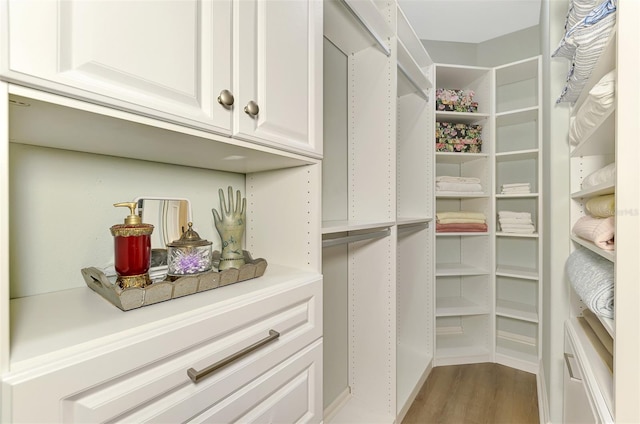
(515, 185)
(529, 230)
(515, 221)
(516, 191)
(516, 226)
(463, 187)
(510, 214)
(462, 180)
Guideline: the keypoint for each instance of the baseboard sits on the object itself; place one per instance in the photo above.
(543, 398)
(331, 409)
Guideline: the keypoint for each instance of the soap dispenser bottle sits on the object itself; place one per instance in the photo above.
(132, 248)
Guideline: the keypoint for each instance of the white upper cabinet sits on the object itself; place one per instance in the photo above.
(201, 64)
(278, 73)
(169, 59)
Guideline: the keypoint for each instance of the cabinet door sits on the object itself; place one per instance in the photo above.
(168, 59)
(278, 73)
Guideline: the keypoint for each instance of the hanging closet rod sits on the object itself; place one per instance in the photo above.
(413, 227)
(358, 237)
(366, 26)
(415, 85)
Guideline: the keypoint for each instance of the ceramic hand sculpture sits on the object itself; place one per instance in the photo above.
(230, 226)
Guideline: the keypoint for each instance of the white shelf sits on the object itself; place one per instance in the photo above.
(516, 310)
(458, 158)
(513, 349)
(518, 196)
(518, 155)
(461, 117)
(501, 234)
(453, 270)
(133, 136)
(525, 69)
(462, 196)
(519, 116)
(458, 306)
(411, 41)
(355, 25)
(412, 221)
(56, 325)
(607, 254)
(332, 227)
(517, 272)
(599, 190)
(411, 79)
(476, 234)
(450, 346)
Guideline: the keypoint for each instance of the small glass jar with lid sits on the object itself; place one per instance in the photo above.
(190, 255)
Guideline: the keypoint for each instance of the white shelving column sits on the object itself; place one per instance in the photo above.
(464, 261)
(596, 149)
(414, 197)
(359, 211)
(518, 159)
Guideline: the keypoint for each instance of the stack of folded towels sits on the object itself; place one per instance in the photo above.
(599, 225)
(516, 222)
(462, 221)
(458, 185)
(516, 188)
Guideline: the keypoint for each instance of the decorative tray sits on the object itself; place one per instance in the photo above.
(132, 298)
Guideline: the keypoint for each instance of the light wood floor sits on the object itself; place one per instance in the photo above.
(474, 394)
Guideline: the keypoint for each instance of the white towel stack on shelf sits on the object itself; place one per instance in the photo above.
(458, 185)
(516, 222)
(516, 188)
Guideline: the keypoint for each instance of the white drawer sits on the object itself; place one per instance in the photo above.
(287, 393)
(105, 387)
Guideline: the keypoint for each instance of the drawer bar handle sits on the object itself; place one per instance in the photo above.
(196, 376)
(567, 360)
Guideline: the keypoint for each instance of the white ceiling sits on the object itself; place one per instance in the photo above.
(469, 21)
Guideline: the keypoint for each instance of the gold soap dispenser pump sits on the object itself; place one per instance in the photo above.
(132, 249)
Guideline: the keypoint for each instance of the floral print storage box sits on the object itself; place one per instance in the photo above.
(448, 100)
(462, 138)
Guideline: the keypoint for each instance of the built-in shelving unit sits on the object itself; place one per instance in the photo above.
(492, 279)
(378, 214)
(518, 261)
(464, 274)
(596, 148)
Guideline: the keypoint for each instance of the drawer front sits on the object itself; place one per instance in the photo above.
(289, 392)
(576, 404)
(81, 393)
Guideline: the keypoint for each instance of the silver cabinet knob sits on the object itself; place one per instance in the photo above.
(225, 98)
(251, 108)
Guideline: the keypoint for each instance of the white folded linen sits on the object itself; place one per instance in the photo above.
(515, 185)
(463, 187)
(510, 214)
(528, 229)
(515, 221)
(606, 174)
(462, 180)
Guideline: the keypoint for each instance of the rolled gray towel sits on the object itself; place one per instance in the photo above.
(591, 276)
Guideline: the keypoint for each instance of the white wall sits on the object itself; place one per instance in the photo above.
(498, 51)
